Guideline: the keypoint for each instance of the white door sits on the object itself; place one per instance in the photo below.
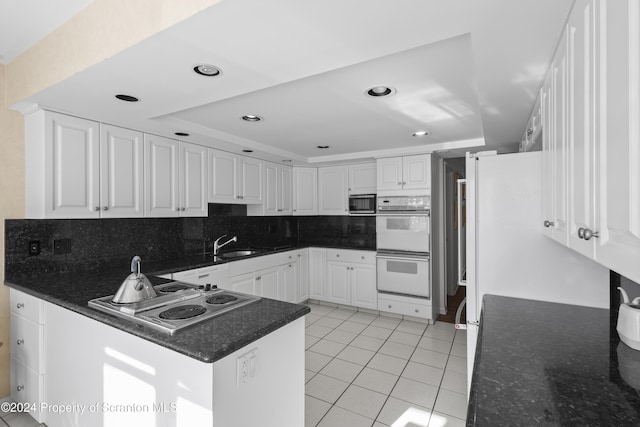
(305, 191)
(222, 177)
(193, 180)
(363, 286)
(269, 282)
(416, 172)
(362, 178)
(338, 282)
(389, 173)
(302, 285)
(317, 273)
(72, 167)
(560, 136)
(285, 188)
(584, 123)
(161, 176)
(289, 277)
(244, 284)
(618, 244)
(250, 180)
(546, 106)
(121, 177)
(270, 189)
(332, 190)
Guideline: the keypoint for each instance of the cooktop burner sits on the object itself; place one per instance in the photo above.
(177, 305)
(221, 299)
(182, 312)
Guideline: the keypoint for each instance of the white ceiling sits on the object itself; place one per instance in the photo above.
(467, 71)
(25, 22)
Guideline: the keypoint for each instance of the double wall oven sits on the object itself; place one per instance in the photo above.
(402, 237)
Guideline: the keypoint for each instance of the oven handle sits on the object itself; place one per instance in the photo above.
(404, 257)
(403, 213)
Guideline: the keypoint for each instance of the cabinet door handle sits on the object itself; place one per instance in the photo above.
(20, 387)
(20, 341)
(417, 311)
(548, 223)
(295, 210)
(259, 278)
(97, 208)
(362, 257)
(389, 306)
(19, 305)
(202, 276)
(298, 255)
(399, 182)
(529, 132)
(404, 182)
(289, 256)
(337, 255)
(581, 233)
(289, 265)
(588, 234)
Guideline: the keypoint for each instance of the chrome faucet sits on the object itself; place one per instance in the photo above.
(216, 246)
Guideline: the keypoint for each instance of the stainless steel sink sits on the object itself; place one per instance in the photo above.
(239, 253)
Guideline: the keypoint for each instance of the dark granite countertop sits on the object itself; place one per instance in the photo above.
(207, 341)
(540, 363)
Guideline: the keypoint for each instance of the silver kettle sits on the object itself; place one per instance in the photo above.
(628, 326)
(136, 287)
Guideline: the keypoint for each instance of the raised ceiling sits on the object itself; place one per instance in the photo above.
(467, 71)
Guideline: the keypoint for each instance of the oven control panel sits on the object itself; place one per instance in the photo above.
(404, 203)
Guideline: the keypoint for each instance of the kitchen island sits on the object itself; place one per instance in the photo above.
(540, 363)
(245, 367)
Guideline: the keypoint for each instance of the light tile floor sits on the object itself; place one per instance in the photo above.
(368, 370)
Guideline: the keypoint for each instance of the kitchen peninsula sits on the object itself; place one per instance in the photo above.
(206, 374)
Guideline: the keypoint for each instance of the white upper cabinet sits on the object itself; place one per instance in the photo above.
(250, 173)
(77, 168)
(234, 179)
(305, 191)
(584, 82)
(618, 192)
(222, 177)
(407, 175)
(601, 55)
(161, 198)
(333, 196)
(121, 172)
(362, 178)
(277, 184)
(193, 180)
(175, 178)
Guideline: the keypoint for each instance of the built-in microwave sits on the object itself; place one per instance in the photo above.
(362, 204)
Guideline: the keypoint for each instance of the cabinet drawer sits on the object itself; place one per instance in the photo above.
(215, 275)
(261, 262)
(28, 306)
(345, 255)
(27, 387)
(404, 306)
(27, 342)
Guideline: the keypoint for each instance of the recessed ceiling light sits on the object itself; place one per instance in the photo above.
(322, 147)
(247, 151)
(377, 91)
(207, 70)
(127, 98)
(181, 134)
(421, 133)
(252, 118)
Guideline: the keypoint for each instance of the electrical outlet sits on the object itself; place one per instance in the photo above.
(34, 247)
(247, 366)
(62, 246)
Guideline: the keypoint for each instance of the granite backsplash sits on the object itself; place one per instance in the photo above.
(100, 243)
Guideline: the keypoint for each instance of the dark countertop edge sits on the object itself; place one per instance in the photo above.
(160, 338)
(190, 265)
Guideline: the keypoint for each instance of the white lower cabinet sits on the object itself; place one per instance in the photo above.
(317, 273)
(351, 278)
(27, 351)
